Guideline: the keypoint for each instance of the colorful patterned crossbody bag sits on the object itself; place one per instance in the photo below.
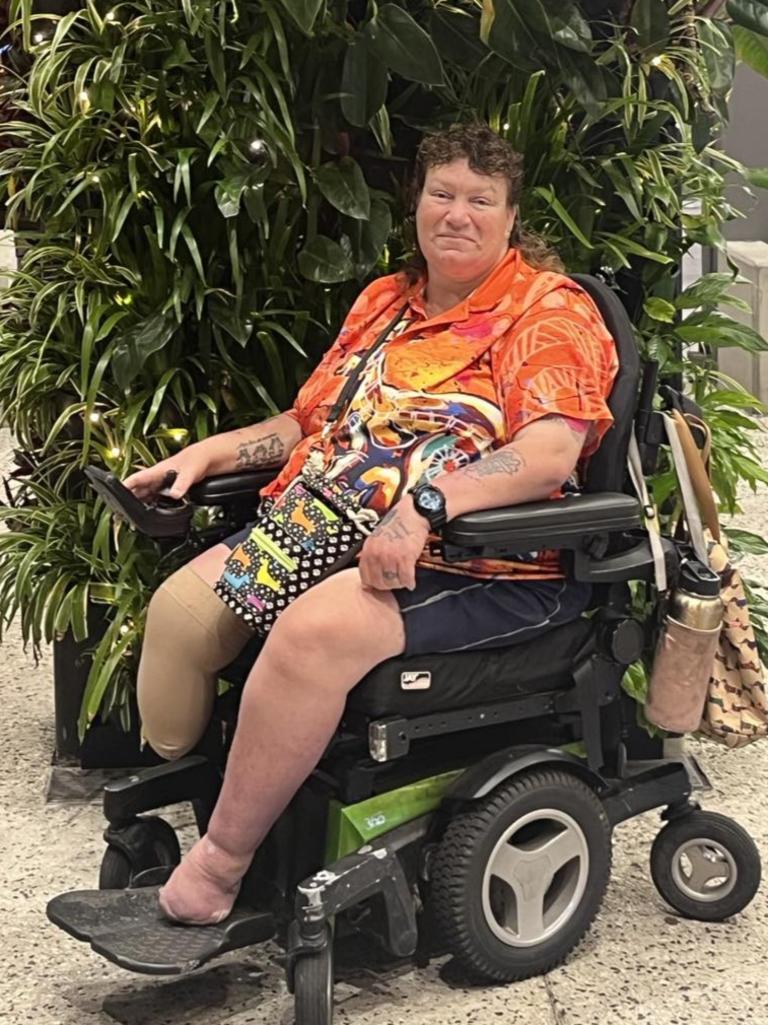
(313, 529)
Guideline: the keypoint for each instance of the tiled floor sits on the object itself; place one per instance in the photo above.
(640, 964)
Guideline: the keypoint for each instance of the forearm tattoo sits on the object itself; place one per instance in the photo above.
(392, 528)
(267, 451)
(508, 461)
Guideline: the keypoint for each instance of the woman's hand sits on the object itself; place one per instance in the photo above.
(177, 473)
(388, 558)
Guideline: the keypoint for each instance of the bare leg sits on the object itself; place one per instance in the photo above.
(322, 645)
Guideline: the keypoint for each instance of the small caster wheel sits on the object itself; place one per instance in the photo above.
(118, 870)
(706, 866)
(519, 876)
(313, 986)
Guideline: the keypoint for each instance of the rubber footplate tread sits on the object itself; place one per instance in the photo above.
(128, 928)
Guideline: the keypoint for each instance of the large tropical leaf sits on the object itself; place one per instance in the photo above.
(324, 261)
(343, 185)
(752, 48)
(363, 82)
(750, 14)
(403, 45)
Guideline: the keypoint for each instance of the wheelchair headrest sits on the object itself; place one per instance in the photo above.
(606, 469)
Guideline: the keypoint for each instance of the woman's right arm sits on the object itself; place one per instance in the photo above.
(264, 445)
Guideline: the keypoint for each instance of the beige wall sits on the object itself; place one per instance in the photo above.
(746, 139)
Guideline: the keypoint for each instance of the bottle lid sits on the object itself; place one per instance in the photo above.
(699, 579)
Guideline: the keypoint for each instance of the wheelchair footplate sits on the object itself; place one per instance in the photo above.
(128, 928)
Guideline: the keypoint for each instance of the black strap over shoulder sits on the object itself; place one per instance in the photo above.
(348, 391)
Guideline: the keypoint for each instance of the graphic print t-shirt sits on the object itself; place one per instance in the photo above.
(441, 392)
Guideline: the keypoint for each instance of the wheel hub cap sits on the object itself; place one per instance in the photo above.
(535, 877)
(704, 870)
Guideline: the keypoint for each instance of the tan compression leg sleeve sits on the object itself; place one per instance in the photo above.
(190, 636)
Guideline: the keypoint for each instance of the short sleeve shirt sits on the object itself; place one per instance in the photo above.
(441, 392)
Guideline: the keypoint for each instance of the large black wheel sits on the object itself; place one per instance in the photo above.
(313, 986)
(519, 876)
(118, 871)
(705, 866)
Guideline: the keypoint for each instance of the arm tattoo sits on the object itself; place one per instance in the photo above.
(578, 428)
(267, 451)
(507, 461)
(392, 528)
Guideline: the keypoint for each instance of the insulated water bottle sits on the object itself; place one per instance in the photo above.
(685, 652)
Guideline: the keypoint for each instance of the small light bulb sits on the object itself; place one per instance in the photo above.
(124, 629)
(94, 177)
(115, 452)
(110, 16)
(177, 433)
(84, 97)
(38, 37)
(506, 126)
(94, 417)
(657, 60)
(256, 146)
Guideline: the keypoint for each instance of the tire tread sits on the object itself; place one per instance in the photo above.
(451, 863)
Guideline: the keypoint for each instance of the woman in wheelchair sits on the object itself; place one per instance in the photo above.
(488, 388)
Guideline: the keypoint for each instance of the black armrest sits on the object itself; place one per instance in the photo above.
(567, 522)
(230, 487)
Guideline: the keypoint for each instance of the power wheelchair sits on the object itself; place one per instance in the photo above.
(466, 802)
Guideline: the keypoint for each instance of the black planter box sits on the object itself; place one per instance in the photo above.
(106, 745)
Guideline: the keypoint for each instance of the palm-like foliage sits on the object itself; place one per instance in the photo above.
(199, 189)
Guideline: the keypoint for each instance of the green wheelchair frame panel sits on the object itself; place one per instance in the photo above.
(350, 826)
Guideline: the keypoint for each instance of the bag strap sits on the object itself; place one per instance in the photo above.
(650, 517)
(696, 462)
(350, 386)
(705, 448)
(690, 505)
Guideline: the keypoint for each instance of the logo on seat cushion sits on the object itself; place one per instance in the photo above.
(421, 679)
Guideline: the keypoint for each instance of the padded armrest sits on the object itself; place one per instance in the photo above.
(230, 487)
(557, 523)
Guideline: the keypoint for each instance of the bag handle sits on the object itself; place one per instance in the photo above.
(650, 514)
(690, 505)
(696, 463)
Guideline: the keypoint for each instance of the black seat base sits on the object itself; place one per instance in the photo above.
(127, 927)
(466, 678)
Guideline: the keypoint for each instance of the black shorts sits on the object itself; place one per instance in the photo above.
(451, 612)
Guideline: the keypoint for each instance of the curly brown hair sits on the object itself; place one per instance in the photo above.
(486, 153)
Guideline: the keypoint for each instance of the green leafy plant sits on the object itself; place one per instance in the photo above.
(200, 189)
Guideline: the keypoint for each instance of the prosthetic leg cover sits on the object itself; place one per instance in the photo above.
(190, 637)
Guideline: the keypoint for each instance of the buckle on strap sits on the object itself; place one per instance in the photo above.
(364, 519)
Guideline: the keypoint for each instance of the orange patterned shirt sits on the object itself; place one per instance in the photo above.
(442, 391)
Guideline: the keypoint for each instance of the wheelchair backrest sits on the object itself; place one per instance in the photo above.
(606, 470)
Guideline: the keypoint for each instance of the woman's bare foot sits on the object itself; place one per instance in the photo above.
(203, 888)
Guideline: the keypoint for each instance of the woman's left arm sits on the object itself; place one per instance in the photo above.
(539, 460)
(532, 467)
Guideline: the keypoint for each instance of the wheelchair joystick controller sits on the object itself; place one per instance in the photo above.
(169, 517)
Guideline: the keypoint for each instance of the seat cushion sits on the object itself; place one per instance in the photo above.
(462, 679)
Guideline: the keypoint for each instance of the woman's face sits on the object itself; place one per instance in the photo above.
(463, 221)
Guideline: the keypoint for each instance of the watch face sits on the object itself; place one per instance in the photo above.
(431, 500)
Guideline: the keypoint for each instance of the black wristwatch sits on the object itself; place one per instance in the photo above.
(430, 502)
